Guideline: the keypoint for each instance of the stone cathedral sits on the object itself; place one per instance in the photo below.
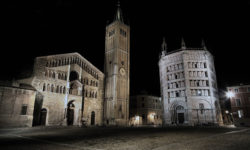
(66, 89)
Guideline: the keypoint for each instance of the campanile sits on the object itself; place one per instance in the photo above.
(117, 70)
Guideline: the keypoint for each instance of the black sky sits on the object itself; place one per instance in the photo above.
(38, 28)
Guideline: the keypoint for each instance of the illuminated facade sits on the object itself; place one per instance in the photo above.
(188, 86)
(16, 104)
(117, 72)
(145, 110)
(240, 103)
(72, 91)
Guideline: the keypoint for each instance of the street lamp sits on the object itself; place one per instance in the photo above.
(230, 94)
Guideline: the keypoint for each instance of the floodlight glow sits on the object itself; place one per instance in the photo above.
(137, 118)
(230, 94)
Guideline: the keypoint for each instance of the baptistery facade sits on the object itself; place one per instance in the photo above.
(188, 86)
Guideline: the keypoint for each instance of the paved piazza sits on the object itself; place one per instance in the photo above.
(65, 138)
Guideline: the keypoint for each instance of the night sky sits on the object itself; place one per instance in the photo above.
(38, 28)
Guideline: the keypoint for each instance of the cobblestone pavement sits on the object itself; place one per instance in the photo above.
(182, 138)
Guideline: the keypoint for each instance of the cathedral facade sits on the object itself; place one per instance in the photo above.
(188, 86)
(69, 90)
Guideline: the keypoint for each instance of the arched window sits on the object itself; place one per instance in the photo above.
(59, 63)
(95, 94)
(52, 88)
(65, 77)
(177, 94)
(57, 89)
(197, 83)
(96, 84)
(73, 76)
(59, 75)
(53, 75)
(44, 87)
(60, 89)
(206, 75)
(205, 65)
(64, 90)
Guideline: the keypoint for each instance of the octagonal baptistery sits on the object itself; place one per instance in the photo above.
(189, 87)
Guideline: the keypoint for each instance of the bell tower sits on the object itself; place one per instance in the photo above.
(117, 70)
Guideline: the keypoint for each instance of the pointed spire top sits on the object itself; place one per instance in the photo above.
(163, 48)
(118, 15)
(164, 45)
(203, 45)
(183, 45)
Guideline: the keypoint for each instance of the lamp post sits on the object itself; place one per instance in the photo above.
(229, 95)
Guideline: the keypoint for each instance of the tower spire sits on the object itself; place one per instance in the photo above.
(163, 47)
(203, 45)
(183, 45)
(118, 15)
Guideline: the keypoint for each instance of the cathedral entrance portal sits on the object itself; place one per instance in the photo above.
(70, 113)
(37, 110)
(180, 114)
(92, 118)
(181, 118)
(43, 117)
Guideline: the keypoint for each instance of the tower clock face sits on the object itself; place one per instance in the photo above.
(122, 71)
